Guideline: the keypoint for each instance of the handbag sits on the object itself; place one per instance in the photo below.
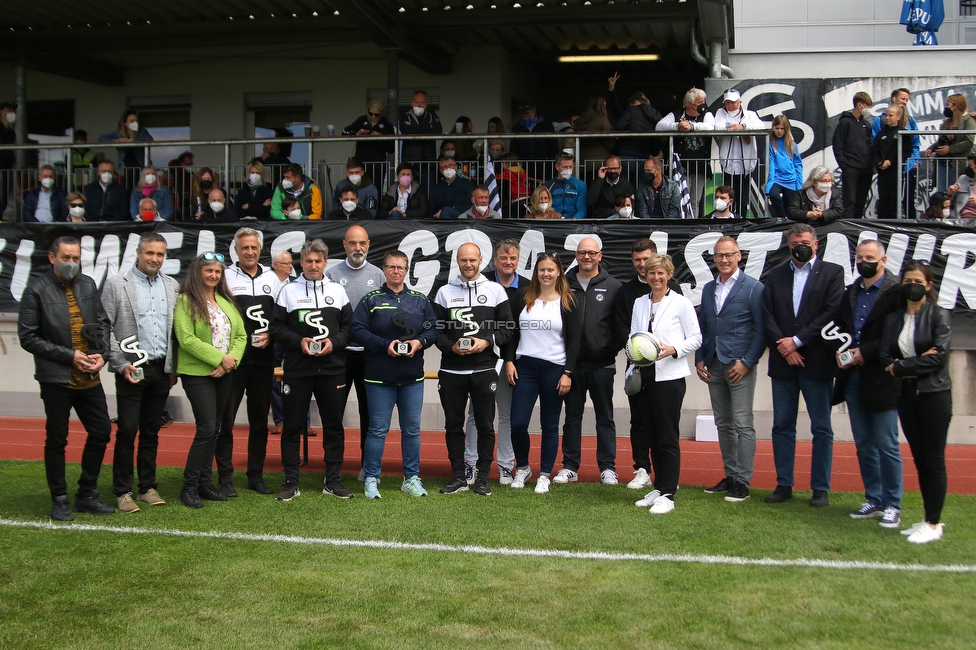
(632, 381)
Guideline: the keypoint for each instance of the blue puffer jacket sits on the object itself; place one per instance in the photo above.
(59, 209)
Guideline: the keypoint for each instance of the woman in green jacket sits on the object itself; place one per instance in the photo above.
(211, 335)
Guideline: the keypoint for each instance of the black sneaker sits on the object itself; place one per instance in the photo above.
(737, 492)
(92, 504)
(456, 485)
(259, 487)
(819, 499)
(722, 486)
(481, 486)
(780, 494)
(190, 498)
(337, 489)
(61, 509)
(166, 419)
(227, 489)
(210, 493)
(288, 492)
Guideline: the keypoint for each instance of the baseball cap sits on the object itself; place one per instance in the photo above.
(731, 95)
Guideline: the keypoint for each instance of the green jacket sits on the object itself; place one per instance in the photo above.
(197, 355)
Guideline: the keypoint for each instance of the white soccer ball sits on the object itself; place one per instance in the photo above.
(643, 348)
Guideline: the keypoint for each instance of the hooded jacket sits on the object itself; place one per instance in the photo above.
(595, 307)
(852, 142)
(256, 299)
(309, 200)
(478, 308)
(308, 309)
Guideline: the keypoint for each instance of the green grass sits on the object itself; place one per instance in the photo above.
(85, 589)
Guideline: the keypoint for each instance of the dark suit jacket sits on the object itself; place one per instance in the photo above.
(112, 204)
(736, 332)
(819, 305)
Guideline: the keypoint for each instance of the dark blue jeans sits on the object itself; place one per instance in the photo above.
(779, 199)
(537, 380)
(786, 404)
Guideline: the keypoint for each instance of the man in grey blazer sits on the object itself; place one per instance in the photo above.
(733, 341)
(139, 303)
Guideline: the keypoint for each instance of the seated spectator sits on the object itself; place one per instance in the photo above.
(541, 205)
(290, 208)
(369, 196)
(568, 192)
(296, 184)
(451, 195)
(657, 196)
(940, 207)
(146, 210)
(534, 149)
(514, 185)
(128, 131)
(373, 153)
(481, 205)
(464, 150)
(76, 207)
(404, 199)
(817, 202)
(724, 200)
(253, 201)
(349, 208)
(105, 199)
(45, 202)
(203, 181)
(150, 187)
(496, 148)
(594, 119)
(216, 209)
(606, 187)
(963, 192)
(624, 207)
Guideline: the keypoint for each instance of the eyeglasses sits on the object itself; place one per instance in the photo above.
(210, 256)
(372, 114)
(726, 256)
(550, 254)
(587, 253)
(395, 269)
(281, 263)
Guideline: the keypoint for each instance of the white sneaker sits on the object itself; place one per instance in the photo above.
(608, 477)
(565, 476)
(648, 499)
(542, 485)
(362, 476)
(911, 529)
(925, 534)
(662, 505)
(641, 479)
(505, 476)
(522, 474)
(470, 473)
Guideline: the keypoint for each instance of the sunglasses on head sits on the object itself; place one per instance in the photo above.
(550, 254)
(210, 256)
(919, 262)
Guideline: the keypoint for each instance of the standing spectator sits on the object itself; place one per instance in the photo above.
(62, 324)
(785, 167)
(373, 154)
(301, 188)
(495, 126)
(568, 192)
(915, 348)
(900, 96)
(451, 195)
(963, 192)
(45, 203)
(83, 159)
(480, 208)
(129, 131)
(871, 393)
(139, 304)
(367, 194)
(149, 187)
(313, 309)
(253, 201)
(671, 318)
(657, 197)
(733, 340)
(466, 150)
(539, 364)
(541, 203)
(885, 149)
(405, 199)
(283, 266)
(533, 149)
(952, 146)
(606, 187)
(394, 378)
(638, 116)
(358, 276)
(106, 199)
(694, 151)
(852, 150)
(594, 291)
(738, 156)
(799, 299)
(724, 200)
(594, 119)
(817, 202)
(212, 338)
(419, 121)
(271, 155)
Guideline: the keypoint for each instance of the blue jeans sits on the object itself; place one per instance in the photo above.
(537, 379)
(409, 399)
(786, 404)
(878, 454)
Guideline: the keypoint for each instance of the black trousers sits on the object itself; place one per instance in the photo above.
(330, 395)
(255, 381)
(598, 382)
(208, 399)
(925, 421)
(140, 410)
(356, 376)
(659, 403)
(887, 205)
(90, 407)
(855, 185)
(455, 390)
(740, 185)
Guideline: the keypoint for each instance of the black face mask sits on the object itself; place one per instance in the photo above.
(649, 178)
(867, 269)
(947, 112)
(613, 176)
(702, 109)
(970, 172)
(802, 253)
(913, 292)
(206, 185)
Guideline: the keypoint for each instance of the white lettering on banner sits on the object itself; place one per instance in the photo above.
(206, 242)
(958, 277)
(572, 243)
(660, 239)
(291, 241)
(806, 141)
(174, 242)
(129, 257)
(758, 245)
(895, 252)
(532, 243)
(925, 247)
(107, 262)
(467, 236)
(426, 272)
(22, 269)
(697, 264)
(838, 251)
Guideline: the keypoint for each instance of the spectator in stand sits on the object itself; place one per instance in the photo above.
(657, 197)
(513, 185)
(366, 190)
(496, 149)
(900, 96)
(83, 159)
(253, 201)
(8, 114)
(290, 208)
(45, 202)
(623, 208)
(419, 121)
(693, 151)
(495, 125)
(594, 119)
(75, 203)
(785, 167)
(940, 207)
(534, 149)
(885, 150)
(963, 192)
(541, 203)
(128, 131)
(106, 200)
(271, 155)
(465, 150)
(181, 185)
(147, 210)
(451, 195)
(606, 187)
(349, 207)
(481, 205)
(638, 116)
(724, 198)
(301, 188)
(852, 150)
(149, 187)
(568, 192)
(203, 181)
(738, 156)
(373, 153)
(405, 199)
(952, 146)
(817, 202)
(216, 210)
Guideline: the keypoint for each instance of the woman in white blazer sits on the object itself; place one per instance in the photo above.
(670, 317)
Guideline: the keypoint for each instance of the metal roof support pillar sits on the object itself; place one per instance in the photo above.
(20, 98)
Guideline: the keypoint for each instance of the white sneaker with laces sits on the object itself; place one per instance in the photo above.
(911, 529)
(565, 476)
(926, 534)
(641, 479)
(608, 477)
(662, 505)
(648, 499)
(542, 485)
(522, 474)
(505, 476)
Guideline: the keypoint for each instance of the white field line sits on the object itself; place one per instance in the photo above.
(510, 552)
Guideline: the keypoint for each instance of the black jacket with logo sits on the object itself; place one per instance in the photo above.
(256, 300)
(307, 309)
(595, 307)
(478, 309)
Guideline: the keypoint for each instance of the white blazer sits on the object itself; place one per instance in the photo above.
(675, 324)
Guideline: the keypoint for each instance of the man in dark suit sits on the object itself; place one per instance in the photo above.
(733, 340)
(106, 200)
(800, 298)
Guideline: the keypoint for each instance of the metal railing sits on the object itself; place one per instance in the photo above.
(926, 173)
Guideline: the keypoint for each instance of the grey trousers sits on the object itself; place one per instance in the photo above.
(732, 407)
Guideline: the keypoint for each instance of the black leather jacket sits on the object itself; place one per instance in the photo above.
(44, 326)
(933, 329)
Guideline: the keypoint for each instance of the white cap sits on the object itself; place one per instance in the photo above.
(731, 95)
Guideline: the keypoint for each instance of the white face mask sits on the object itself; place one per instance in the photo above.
(721, 205)
(106, 177)
(824, 187)
(11, 117)
(295, 214)
(287, 184)
(349, 206)
(565, 174)
(543, 207)
(47, 183)
(450, 153)
(255, 179)
(150, 179)
(134, 127)
(625, 213)
(76, 212)
(945, 213)
(481, 208)
(216, 207)
(355, 179)
(419, 111)
(449, 173)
